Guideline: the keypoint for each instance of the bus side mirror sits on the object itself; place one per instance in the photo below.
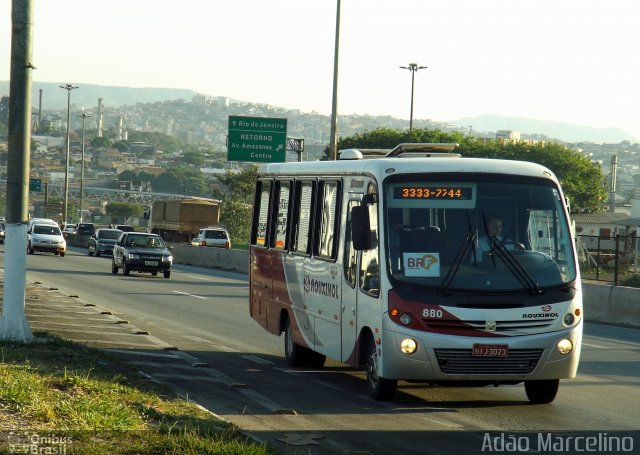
(360, 228)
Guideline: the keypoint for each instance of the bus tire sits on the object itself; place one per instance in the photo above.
(380, 389)
(299, 356)
(542, 392)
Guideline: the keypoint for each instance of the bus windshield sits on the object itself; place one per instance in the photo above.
(477, 232)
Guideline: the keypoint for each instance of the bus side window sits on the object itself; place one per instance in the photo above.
(329, 214)
(283, 194)
(350, 253)
(261, 213)
(369, 265)
(303, 209)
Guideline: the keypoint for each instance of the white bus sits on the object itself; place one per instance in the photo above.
(392, 264)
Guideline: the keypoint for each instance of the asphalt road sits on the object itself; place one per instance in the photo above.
(237, 370)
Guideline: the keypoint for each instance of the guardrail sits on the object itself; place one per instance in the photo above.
(214, 258)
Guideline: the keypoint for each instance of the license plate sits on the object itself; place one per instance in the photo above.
(154, 263)
(490, 350)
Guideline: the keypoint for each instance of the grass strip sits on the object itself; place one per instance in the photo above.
(57, 396)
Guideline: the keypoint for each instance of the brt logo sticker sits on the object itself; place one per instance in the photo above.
(421, 264)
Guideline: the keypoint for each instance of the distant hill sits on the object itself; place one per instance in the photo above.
(53, 97)
(557, 130)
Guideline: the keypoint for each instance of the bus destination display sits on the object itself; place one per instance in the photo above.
(433, 192)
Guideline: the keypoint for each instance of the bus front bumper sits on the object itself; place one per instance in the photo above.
(443, 358)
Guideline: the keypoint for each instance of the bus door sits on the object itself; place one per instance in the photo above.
(361, 285)
(349, 319)
(322, 273)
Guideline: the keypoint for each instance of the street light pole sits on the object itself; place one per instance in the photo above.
(84, 117)
(413, 67)
(333, 140)
(68, 88)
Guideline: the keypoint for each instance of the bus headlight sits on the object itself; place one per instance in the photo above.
(568, 319)
(564, 346)
(405, 318)
(408, 346)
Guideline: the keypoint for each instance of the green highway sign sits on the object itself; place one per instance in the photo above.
(257, 139)
(35, 184)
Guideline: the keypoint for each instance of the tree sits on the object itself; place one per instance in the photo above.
(100, 142)
(160, 141)
(388, 138)
(121, 146)
(128, 175)
(236, 193)
(194, 158)
(182, 180)
(146, 180)
(582, 180)
(124, 211)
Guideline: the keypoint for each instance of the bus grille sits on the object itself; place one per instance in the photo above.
(460, 361)
(502, 327)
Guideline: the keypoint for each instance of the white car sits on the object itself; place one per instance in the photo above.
(47, 238)
(212, 236)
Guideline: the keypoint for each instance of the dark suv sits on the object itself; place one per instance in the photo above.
(141, 252)
(85, 229)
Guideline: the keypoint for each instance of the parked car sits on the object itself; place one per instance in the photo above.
(125, 227)
(141, 252)
(85, 229)
(102, 241)
(2, 232)
(212, 236)
(47, 238)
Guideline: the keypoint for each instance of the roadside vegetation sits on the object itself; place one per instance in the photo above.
(582, 179)
(62, 397)
(632, 281)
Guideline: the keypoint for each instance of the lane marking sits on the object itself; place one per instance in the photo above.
(330, 386)
(593, 345)
(196, 339)
(258, 360)
(190, 295)
(272, 406)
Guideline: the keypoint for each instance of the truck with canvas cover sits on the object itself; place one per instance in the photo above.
(179, 220)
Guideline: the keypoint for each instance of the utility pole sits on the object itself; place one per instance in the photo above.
(413, 67)
(13, 322)
(84, 117)
(68, 88)
(333, 144)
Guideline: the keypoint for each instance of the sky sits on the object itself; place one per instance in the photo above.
(573, 61)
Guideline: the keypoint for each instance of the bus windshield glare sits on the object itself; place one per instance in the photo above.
(477, 232)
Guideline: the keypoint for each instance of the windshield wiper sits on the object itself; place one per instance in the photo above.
(514, 266)
(455, 266)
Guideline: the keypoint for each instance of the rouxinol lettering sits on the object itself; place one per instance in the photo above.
(539, 315)
(323, 288)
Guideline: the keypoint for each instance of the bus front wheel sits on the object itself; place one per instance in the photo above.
(542, 392)
(379, 389)
(299, 356)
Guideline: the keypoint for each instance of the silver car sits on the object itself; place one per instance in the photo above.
(47, 238)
